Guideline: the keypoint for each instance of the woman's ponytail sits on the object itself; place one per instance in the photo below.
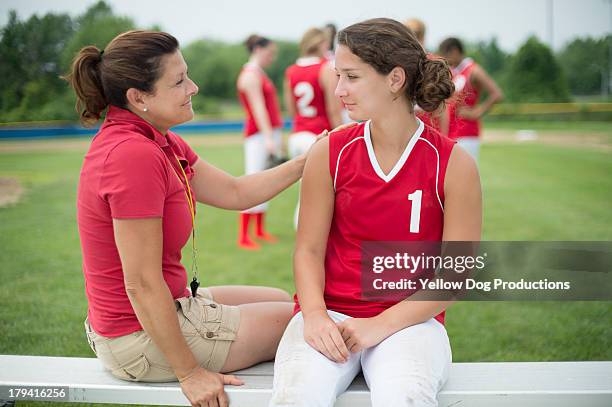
(86, 80)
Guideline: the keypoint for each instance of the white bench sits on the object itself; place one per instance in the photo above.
(470, 384)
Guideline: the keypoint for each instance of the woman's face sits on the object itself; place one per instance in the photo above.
(364, 92)
(267, 55)
(454, 57)
(170, 103)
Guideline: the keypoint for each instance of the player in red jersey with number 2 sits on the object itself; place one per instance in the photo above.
(309, 94)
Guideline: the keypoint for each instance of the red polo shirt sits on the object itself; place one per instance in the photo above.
(130, 172)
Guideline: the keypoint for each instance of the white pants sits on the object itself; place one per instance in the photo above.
(255, 158)
(407, 369)
(471, 145)
(300, 143)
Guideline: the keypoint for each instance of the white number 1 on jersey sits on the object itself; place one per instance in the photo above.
(415, 212)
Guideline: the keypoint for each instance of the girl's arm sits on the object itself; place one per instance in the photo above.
(288, 97)
(316, 210)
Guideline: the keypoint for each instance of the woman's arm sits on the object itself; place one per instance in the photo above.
(316, 210)
(139, 242)
(462, 222)
(482, 81)
(333, 107)
(215, 187)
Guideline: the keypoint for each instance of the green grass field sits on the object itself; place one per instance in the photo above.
(531, 192)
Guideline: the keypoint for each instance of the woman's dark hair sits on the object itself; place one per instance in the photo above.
(130, 60)
(384, 44)
(450, 44)
(256, 41)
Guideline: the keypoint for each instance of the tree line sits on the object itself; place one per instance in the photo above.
(36, 52)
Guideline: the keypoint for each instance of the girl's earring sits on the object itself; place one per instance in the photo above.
(145, 109)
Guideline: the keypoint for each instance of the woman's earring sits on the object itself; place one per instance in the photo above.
(145, 109)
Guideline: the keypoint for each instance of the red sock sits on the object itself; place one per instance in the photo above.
(260, 233)
(244, 240)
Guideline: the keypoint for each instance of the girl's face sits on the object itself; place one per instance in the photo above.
(170, 103)
(267, 55)
(364, 92)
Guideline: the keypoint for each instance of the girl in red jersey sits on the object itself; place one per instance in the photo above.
(389, 178)
(309, 94)
(262, 128)
(470, 81)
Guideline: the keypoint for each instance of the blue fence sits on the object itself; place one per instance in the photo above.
(29, 132)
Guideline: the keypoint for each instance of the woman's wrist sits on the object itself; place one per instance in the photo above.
(313, 312)
(300, 162)
(186, 376)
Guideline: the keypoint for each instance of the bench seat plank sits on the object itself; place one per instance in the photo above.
(471, 384)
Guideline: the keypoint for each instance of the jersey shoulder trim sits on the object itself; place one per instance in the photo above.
(339, 142)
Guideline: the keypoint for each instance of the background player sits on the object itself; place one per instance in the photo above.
(309, 94)
(389, 178)
(262, 128)
(470, 81)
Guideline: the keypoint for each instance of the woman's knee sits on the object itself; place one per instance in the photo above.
(260, 330)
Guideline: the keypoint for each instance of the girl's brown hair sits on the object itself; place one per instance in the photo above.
(384, 44)
(256, 41)
(102, 77)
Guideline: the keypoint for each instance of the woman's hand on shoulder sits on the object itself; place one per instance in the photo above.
(322, 140)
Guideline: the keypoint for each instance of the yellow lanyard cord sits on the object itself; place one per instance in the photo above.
(189, 196)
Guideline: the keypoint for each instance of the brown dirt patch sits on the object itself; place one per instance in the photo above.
(10, 191)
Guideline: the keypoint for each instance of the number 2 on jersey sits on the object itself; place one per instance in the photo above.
(305, 94)
(415, 212)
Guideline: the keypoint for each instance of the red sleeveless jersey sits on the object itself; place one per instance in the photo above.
(467, 96)
(371, 206)
(308, 96)
(271, 100)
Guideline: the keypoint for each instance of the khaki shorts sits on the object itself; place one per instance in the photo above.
(208, 327)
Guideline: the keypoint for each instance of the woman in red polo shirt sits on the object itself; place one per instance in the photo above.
(262, 128)
(136, 210)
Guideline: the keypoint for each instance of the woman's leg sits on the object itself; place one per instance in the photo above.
(244, 294)
(261, 327)
(303, 376)
(410, 367)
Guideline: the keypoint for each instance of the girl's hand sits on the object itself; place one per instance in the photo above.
(361, 333)
(321, 332)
